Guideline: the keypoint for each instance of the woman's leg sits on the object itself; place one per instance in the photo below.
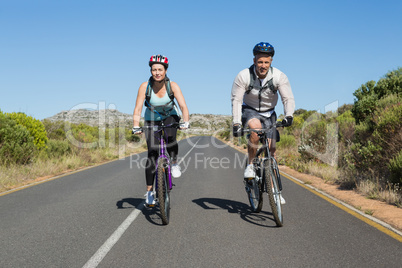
(172, 146)
(153, 149)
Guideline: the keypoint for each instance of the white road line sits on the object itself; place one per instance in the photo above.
(107, 246)
(112, 240)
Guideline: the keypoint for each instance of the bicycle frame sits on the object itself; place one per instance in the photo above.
(262, 133)
(163, 153)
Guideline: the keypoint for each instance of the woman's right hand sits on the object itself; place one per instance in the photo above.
(136, 130)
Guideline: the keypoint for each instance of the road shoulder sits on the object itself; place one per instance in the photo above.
(382, 211)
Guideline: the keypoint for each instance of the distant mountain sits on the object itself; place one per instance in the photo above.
(93, 117)
(200, 123)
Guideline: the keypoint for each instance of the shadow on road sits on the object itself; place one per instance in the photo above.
(262, 219)
(151, 214)
(129, 203)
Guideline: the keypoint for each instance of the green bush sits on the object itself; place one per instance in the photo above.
(287, 141)
(388, 116)
(82, 136)
(34, 126)
(378, 139)
(395, 167)
(314, 133)
(58, 148)
(346, 124)
(55, 130)
(16, 143)
(368, 95)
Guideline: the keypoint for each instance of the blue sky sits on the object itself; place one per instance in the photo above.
(58, 55)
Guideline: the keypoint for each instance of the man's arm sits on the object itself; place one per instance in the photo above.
(238, 89)
(287, 97)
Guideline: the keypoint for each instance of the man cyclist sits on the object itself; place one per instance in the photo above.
(253, 105)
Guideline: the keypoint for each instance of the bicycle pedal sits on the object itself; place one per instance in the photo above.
(149, 205)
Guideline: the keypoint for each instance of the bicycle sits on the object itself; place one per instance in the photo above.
(267, 178)
(163, 176)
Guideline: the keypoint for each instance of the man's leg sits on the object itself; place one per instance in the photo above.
(272, 146)
(252, 145)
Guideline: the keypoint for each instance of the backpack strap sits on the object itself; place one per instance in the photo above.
(252, 79)
(269, 84)
(149, 91)
(169, 89)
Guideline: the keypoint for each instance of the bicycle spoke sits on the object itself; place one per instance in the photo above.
(273, 193)
(163, 191)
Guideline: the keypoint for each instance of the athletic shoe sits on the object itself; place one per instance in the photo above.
(176, 171)
(283, 202)
(150, 198)
(249, 172)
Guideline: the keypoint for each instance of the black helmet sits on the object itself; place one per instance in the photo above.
(265, 48)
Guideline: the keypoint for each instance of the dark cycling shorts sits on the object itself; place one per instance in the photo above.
(249, 113)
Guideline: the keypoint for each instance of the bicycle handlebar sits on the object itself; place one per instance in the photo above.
(139, 130)
(262, 130)
(158, 127)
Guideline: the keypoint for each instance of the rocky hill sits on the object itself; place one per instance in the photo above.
(94, 117)
(200, 123)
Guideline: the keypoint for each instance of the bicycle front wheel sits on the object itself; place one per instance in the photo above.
(163, 190)
(254, 192)
(273, 192)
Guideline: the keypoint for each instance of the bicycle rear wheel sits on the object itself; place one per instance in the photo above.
(254, 192)
(163, 191)
(272, 188)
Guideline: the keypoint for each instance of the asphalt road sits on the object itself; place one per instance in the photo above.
(96, 218)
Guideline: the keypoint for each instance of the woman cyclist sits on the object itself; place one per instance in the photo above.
(158, 94)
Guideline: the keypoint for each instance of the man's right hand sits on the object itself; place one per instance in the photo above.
(237, 130)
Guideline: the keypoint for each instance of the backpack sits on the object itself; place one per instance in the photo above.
(169, 92)
(269, 84)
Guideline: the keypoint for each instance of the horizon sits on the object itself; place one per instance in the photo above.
(59, 55)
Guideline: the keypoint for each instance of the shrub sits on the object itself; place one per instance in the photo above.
(58, 148)
(34, 126)
(367, 95)
(55, 130)
(16, 143)
(346, 123)
(314, 133)
(82, 136)
(395, 167)
(287, 141)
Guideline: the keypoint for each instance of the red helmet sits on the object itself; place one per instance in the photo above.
(159, 59)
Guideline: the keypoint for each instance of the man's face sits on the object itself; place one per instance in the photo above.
(262, 63)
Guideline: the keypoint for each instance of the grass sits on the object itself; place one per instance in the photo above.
(369, 212)
(18, 175)
(13, 176)
(289, 156)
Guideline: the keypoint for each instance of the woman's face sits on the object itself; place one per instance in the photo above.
(158, 72)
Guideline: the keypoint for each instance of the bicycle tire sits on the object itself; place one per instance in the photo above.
(272, 189)
(254, 193)
(163, 191)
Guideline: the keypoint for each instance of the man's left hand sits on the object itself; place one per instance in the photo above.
(287, 121)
